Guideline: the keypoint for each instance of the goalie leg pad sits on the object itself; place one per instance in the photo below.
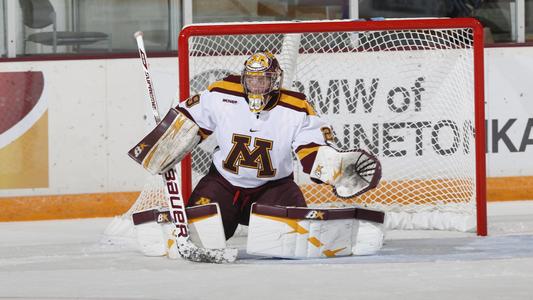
(205, 226)
(152, 230)
(173, 138)
(369, 239)
(306, 233)
(156, 234)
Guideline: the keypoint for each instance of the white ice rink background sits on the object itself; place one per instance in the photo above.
(71, 259)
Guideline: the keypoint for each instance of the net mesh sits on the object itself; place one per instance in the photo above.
(405, 95)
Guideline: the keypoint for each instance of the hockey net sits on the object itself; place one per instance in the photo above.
(409, 91)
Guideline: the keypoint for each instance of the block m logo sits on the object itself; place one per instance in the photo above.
(258, 158)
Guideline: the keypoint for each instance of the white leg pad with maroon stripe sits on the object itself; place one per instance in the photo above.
(370, 236)
(291, 232)
(205, 226)
(155, 233)
(152, 229)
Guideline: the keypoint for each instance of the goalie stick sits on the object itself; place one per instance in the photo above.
(186, 248)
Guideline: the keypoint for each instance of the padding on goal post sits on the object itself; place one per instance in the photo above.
(408, 91)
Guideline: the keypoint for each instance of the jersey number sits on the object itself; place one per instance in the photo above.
(327, 133)
(192, 101)
(258, 158)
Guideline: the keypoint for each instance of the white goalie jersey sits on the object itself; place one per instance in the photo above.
(255, 148)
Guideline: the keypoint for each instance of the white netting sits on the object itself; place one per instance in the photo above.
(405, 95)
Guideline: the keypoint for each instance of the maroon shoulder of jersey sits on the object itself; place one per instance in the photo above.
(233, 78)
(295, 101)
(229, 85)
(294, 94)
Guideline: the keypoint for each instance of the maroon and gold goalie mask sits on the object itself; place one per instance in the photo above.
(261, 77)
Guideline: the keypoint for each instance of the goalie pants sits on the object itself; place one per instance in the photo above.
(235, 202)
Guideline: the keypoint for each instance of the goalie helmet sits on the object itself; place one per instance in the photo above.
(261, 78)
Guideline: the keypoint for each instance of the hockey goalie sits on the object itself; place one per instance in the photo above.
(257, 126)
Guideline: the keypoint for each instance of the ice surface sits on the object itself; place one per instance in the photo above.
(71, 259)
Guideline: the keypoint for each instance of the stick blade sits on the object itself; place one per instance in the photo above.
(189, 251)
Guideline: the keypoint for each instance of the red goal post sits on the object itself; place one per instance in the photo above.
(432, 114)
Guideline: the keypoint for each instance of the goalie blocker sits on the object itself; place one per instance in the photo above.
(293, 232)
(173, 138)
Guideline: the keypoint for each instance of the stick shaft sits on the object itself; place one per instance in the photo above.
(172, 188)
(176, 204)
(148, 79)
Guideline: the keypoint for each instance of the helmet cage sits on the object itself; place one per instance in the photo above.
(260, 82)
(260, 77)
